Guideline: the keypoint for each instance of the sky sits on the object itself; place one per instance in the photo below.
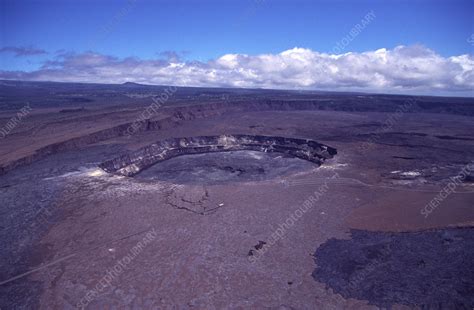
(417, 46)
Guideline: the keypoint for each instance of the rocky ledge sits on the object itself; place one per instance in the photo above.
(133, 163)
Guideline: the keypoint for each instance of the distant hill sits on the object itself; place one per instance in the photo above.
(132, 84)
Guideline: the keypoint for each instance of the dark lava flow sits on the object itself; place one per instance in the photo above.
(429, 269)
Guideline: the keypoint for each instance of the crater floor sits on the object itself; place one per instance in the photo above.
(225, 167)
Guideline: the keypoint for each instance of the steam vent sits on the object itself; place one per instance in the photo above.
(133, 163)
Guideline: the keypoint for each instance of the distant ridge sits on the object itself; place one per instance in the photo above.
(132, 84)
(196, 90)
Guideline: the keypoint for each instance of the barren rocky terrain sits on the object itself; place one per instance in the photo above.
(295, 200)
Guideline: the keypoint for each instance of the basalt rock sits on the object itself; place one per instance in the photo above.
(133, 163)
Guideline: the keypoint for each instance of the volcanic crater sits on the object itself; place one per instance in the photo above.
(133, 163)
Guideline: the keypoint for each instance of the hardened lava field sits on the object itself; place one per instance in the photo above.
(235, 199)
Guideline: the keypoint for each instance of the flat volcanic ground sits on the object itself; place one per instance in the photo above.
(226, 230)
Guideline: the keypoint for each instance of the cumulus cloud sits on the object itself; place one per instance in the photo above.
(401, 69)
(20, 51)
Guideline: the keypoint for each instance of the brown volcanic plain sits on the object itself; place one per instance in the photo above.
(241, 227)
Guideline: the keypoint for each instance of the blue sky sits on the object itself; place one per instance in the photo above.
(206, 30)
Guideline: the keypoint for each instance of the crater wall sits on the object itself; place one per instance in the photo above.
(133, 163)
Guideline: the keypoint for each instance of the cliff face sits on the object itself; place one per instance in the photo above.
(177, 115)
(133, 163)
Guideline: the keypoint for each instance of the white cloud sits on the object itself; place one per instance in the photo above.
(410, 69)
